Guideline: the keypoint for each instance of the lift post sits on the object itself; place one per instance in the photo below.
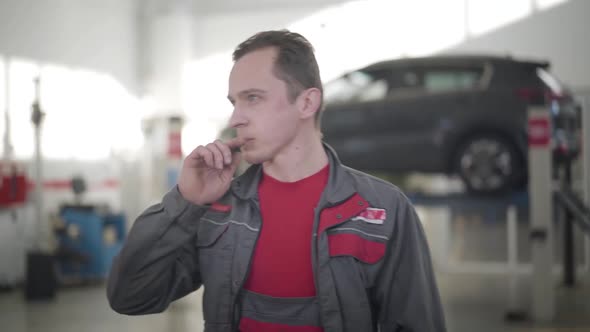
(541, 213)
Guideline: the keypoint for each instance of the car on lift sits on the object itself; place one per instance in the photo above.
(453, 114)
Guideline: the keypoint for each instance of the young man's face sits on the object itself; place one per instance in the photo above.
(263, 114)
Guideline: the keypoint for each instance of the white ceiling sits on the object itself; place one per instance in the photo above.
(223, 6)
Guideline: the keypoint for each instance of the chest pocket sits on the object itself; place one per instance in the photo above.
(214, 248)
(355, 250)
(215, 263)
(366, 243)
(211, 228)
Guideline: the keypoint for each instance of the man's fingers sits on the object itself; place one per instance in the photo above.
(237, 157)
(207, 156)
(217, 155)
(225, 151)
(235, 143)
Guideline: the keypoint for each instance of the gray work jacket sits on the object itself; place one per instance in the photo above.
(370, 274)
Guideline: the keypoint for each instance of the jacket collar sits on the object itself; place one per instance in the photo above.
(339, 188)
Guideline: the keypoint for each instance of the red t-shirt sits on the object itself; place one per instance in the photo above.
(281, 263)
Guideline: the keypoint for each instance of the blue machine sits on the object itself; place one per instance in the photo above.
(88, 242)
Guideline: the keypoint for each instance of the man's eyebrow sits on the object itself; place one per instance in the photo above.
(249, 91)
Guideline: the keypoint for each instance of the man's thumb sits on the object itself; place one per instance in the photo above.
(236, 158)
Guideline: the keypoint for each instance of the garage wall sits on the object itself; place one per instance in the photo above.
(559, 34)
(206, 77)
(97, 35)
(104, 33)
(222, 32)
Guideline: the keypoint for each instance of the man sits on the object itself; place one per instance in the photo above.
(299, 242)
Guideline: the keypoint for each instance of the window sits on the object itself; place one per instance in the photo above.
(445, 80)
(358, 86)
(405, 82)
(80, 106)
(550, 81)
(410, 79)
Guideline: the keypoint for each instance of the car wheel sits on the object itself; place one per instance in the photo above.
(488, 164)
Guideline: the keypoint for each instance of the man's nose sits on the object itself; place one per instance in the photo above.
(237, 118)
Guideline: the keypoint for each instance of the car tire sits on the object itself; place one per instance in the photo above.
(489, 164)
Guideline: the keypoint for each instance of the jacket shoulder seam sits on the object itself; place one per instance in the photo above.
(359, 174)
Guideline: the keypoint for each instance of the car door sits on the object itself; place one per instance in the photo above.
(452, 103)
(351, 119)
(402, 122)
(442, 100)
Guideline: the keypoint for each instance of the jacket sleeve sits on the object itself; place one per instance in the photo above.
(406, 294)
(158, 262)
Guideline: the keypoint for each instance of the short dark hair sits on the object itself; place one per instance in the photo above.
(295, 64)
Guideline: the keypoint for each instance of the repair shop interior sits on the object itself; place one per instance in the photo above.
(478, 111)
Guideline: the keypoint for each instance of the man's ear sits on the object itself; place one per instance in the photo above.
(308, 102)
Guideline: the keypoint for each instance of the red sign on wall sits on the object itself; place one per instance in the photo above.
(539, 132)
(13, 190)
(174, 145)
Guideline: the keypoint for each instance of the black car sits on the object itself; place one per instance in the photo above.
(463, 115)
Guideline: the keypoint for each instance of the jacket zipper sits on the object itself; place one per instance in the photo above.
(236, 323)
(315, 249)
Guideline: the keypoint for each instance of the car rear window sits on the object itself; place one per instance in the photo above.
(550, 81)
(358, 86)
(444, 80)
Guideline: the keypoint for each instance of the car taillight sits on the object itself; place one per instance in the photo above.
(563, 148)
(538, 95)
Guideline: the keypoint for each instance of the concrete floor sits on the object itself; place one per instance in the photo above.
(471, 303)
(474, 300)
(86, 309)
(480, 303)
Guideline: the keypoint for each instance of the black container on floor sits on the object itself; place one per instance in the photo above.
(41, 282)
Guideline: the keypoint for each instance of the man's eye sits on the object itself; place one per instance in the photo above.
(252, 98)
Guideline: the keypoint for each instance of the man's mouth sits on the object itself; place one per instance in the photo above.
(248, 144)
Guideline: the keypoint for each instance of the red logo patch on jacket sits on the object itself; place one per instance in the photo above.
(372, 216)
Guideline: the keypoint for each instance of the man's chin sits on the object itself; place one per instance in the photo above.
(251, 158)
(255, 158)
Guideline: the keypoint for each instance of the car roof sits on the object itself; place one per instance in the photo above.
(454, 59)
